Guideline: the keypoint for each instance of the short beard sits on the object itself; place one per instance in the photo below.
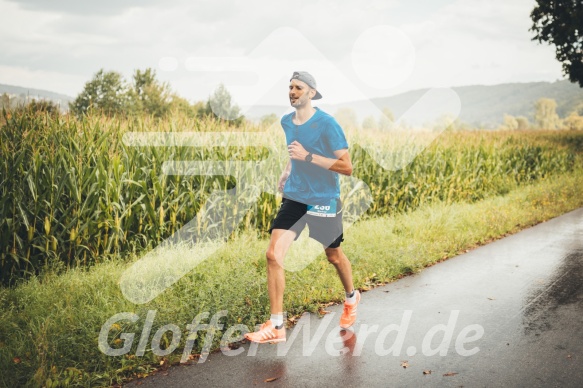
(300, 101)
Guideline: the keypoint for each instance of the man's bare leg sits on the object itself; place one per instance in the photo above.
(339, 260)
(273, 330)
(279, 244)
(344, 269)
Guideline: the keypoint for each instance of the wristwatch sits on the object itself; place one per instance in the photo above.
(309, 157)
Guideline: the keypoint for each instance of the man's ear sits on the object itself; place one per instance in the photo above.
(312, 93)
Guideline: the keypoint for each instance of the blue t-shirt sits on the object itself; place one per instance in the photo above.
(321, 135)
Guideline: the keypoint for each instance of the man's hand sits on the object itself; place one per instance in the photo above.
(282, 180)
(297, 151)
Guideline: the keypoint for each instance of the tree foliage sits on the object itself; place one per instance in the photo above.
(106, 92)
(560, 22)
(510, 123)
(522, 123)
(369, 123)
(109, 93)
(4, 101)
(220, 105)
(386, 119)
(148, 95)
(545, 114)
(269, 120)
(574, 121)
(346, 117)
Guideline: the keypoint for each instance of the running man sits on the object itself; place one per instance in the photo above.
(318, 152)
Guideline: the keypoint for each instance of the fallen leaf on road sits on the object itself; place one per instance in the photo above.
(269, 380)
(491, 298)
(405, 364)
(450, 374)
(427, 372)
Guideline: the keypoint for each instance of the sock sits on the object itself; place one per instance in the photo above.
(277, 320)
(351, 297)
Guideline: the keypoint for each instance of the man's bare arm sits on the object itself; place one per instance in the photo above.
(341, 164)
(284, 175)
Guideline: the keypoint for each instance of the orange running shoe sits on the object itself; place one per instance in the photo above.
(267, 333)
(349, 314)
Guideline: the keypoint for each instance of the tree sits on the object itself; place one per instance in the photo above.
(111, 94)
(522, 123)
(510, 123)
(446, 122)
(346, 117)
(369, 123)
(386, 119)
(220, 105)
(107, 92)
(574, 121)
(269, 120)
(560, 22)
(181, 106)
(578, 109)
(43, 106)
(545, 114)
(148, 95)
(4, 101)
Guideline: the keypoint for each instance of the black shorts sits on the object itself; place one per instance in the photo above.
(326, 230)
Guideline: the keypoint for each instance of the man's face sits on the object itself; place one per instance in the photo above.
(299, 93)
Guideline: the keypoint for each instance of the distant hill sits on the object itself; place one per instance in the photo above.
(483, 105)
(486, 105)
(27, 94)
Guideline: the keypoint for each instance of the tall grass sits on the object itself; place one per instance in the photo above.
(72, 192)
(49, 325)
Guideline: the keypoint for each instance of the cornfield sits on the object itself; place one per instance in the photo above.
(77, 191)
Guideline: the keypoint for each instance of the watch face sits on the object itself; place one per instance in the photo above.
(309, 157)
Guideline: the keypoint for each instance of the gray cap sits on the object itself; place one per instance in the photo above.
(306, 77)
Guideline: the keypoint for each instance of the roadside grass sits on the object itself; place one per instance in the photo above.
(50, 324)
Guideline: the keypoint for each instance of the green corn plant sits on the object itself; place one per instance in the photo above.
(72, 191)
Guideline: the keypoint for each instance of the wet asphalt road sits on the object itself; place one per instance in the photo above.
(508, 314)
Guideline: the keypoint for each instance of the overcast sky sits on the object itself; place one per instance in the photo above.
(355, 49)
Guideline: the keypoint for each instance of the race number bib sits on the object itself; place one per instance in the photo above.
(323, 210)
